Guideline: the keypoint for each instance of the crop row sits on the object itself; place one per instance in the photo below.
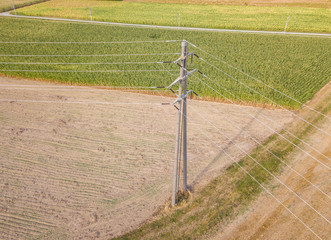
(297, 66)
(191, 15)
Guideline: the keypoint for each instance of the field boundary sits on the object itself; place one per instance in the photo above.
(8, 14)
(20, 5)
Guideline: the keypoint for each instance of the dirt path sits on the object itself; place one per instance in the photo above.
(82, 162)
(326, 35)
(269, 220)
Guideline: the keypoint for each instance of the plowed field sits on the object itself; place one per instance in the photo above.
(84, 162)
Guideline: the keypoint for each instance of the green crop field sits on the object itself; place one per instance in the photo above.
(297, 66)
(192, 15)
(278, 3)
(6, 5)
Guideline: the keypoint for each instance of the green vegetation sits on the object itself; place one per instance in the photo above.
(298, 66)
(278, 3)
(7, 5)
(192, 15)
(229, 194)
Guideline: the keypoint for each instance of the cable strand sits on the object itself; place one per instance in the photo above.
(265, 189)
(254, 78)
(268, 126)
(257, 92)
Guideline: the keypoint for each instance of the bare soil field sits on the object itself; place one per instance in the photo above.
(85, 163)
(267, 219)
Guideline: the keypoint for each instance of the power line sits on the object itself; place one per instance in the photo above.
(167, 70)
(87, 71)
(75, 88)
(127, 89)
(87, 55)
(262, 114)
(70, 86)
(248, 155)
(120, 42)
(262, 166)
(261, 144)
(77, 63)
(265, 117)
(267, 98)
(77, 102)
(273, 196)
(268, 126)
(258, 80)
(235, 162)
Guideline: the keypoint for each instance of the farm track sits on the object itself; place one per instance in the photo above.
(88, 171)
(7, 14)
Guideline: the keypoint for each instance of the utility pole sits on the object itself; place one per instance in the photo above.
(179, 20)
(181, 127)
(288, 19)
(14, 8)
(181, 105)
(90, 14)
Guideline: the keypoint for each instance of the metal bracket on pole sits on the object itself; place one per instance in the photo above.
(188, 93)
(191, 72)
(174, 82)
(182, 78)
(176, 101)
(185, 57)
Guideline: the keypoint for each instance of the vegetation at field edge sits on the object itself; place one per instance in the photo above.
(228, 195)
(191, 15)
(297, 66)
(7, 5)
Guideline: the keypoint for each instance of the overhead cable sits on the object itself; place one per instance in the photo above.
(254, 78)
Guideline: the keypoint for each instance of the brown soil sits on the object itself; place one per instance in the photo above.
(267, 219)
(75, 164)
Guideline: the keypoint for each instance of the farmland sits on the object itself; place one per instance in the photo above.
(278, 3)
(6, 5)
(192, 15)
(221, 209)
(81, 160)
(77, 163)
(297, 66)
